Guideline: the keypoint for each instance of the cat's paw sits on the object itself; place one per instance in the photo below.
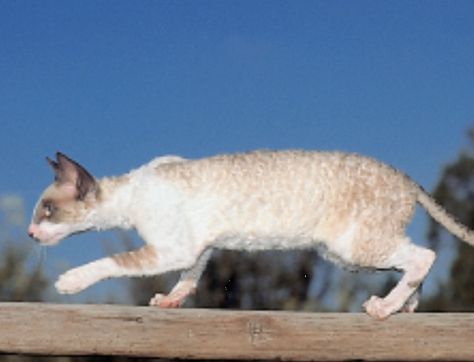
(410, 307)
(166, 301)
(176, 297)
(73, 281)
(377, 308)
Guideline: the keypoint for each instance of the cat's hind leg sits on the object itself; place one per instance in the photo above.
(415, 262)
(186, 285)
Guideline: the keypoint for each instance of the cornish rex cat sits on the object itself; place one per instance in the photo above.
(351, 208)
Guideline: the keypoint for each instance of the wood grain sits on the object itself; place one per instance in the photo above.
(50, 329)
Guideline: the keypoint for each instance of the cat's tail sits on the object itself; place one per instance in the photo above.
(438, 213)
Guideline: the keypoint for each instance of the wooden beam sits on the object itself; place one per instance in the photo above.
(48, 329)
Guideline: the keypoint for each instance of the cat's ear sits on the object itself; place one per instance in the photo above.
(68, 171)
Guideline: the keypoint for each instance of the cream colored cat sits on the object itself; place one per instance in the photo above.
(352, 208)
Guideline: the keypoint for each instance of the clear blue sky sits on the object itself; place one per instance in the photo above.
(116, 83)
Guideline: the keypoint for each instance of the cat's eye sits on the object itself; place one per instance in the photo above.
(48, 209)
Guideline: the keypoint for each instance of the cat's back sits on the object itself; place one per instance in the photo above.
(281, 170)
(256, 167)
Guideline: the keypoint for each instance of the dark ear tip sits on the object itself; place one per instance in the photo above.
(50, 161)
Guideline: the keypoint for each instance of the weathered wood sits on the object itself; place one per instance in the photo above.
(48, 329)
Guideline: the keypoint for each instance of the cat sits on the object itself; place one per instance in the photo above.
(352, 208)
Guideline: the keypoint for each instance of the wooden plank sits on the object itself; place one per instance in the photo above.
(48, 329)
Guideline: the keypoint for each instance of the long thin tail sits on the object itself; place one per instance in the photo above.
(438, 213)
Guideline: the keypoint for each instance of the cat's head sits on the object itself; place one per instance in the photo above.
(65, 206)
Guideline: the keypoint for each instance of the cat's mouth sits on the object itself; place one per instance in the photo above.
(49, 234)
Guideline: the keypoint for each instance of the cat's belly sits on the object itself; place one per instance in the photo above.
(255, 243)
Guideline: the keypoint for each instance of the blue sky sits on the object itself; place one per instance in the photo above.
(116, 83)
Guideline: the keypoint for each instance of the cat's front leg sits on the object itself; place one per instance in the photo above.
(144, 261)
(186, 285)
(78, 279)
(138, 262)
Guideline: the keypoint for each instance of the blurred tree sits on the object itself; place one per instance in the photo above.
(455, 191)
(20, 279)
(263, 280)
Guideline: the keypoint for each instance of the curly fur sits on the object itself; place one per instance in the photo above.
(351, 207)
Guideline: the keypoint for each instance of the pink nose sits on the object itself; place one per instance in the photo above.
(33, 231)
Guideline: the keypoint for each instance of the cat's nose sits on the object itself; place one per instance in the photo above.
(32, 231)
